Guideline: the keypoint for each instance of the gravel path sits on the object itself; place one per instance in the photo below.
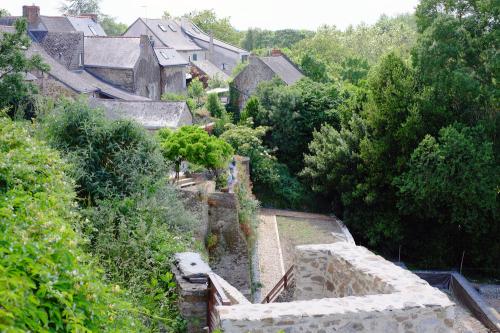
(271, 266)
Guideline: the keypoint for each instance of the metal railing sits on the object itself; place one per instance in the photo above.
(216, 297)
(284, 283)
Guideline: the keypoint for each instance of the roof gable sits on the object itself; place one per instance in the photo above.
(169, 57)
(283, 68)
(86, 25)
(195, 32)
(170, 33)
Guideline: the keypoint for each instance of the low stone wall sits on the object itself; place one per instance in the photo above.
(385, 298)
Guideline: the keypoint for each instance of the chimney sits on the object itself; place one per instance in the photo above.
(211, 47)
(93, 17)
(276, 53)
(31, 13)
(144, 41)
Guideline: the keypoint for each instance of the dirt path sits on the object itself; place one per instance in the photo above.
(271, 266)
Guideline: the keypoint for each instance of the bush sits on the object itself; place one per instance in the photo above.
(214, 106)
(135, 238)
(111, 158)
(47, 283)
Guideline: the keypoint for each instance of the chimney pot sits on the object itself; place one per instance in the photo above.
(31, 13)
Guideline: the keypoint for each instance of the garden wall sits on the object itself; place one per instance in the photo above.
(367, 294)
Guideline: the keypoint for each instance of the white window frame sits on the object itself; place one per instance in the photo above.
(162, 27)
(92, 30)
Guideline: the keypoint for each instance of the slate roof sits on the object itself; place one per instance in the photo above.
(83, 24)
(80, 81)
(283, 68)
(210, 69)
(152, 115)
(55, 24)
(175, 38)
(169, 57)
(111, 52)
(8, 20)
(7, 29)
(195, 32)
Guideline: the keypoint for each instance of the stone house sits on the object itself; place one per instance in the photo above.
(190, 41)
(153, 115)
(173, 70)
(260, 69)
(129, 63)
(40, 25)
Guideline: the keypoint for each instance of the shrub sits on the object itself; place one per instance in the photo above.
(110, 158)
(47, 283)
(214, 106)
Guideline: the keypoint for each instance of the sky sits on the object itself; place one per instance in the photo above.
(266, 14)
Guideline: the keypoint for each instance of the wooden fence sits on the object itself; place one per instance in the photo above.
(283, 284)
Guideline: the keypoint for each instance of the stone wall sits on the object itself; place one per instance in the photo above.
(369, 294)
(229, 258)
(321, 273)
(173, 79)
(247, 81)
(147, 72)
(122, 78)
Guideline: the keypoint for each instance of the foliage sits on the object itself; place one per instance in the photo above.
(332, 46)
(272, 180)
(4, 12)
(172, 97)
(239, 68)
(295, 112)
(314, 69)
(266, 39)
(221, 28)
(47, 282)
(354, 69)
(196, 90)
(14, 90)
(248, 209)
(111, 26)
(193, 144)
(111, 158)
(214, 106)
(217, 82)
(78, 7)
(135, 238)
(415, 160)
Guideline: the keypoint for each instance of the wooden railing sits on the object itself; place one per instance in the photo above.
(216, 297)
(283, 284)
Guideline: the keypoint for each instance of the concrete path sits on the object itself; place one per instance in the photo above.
(271, 266)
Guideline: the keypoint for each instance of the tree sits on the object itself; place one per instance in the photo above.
(194, 145)
(221, 28)
(272, 181)
(111, 26)
(78, 7)
(4, 12)
(14, 64)
(314, 69)
(111, 158)
(214, 106)
(196, 90)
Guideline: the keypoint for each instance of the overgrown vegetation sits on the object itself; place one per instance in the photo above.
(134, 219)
(47, 282)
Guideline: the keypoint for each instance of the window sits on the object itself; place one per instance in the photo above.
(196, 29)
(92, 30)
(223, 66)
(164, 55)
(80, 59)
(162, 27)
(244, 58)
(195, 57)
(172, 28)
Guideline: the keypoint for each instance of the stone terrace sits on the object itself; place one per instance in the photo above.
(345, 288)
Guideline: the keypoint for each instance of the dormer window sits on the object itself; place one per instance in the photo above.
(172, 28)
(92, 30)
(195, 29)
(195, 57)
(162, 27)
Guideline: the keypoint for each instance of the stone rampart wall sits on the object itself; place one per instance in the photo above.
(385, 298)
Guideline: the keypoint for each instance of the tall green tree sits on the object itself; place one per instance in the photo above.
(111, 26)
(221, 28)
(15, 92)
(77, 7)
